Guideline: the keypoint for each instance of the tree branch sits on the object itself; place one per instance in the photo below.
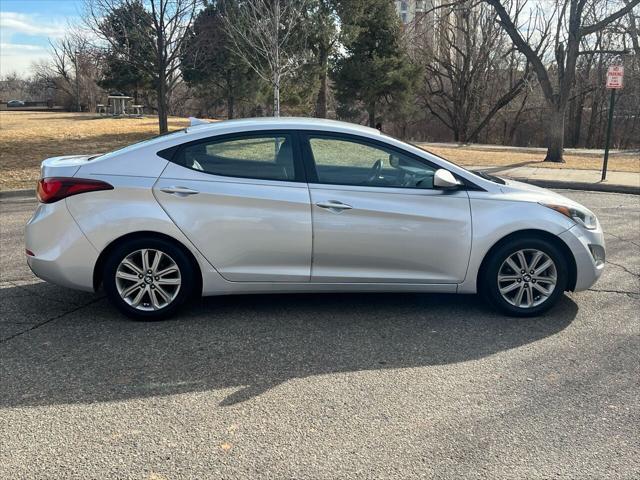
(524, 48)
(606, 21)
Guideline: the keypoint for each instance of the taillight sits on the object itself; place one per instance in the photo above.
(56, 188)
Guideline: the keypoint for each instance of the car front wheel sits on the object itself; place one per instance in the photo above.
(525, 277)
(148, 279)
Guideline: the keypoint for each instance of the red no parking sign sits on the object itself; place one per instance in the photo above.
(615, 81)
(615, 77)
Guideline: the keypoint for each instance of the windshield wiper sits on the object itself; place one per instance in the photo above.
(487, 176)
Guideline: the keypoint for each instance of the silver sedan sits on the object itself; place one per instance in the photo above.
(301, 205)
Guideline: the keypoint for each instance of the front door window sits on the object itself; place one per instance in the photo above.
(341, 161)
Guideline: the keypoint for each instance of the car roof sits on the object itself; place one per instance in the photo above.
(277, 123)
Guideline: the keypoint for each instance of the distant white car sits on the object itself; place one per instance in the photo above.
(301, 205)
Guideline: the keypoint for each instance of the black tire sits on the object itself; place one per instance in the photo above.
(186, 272)
(488, 280)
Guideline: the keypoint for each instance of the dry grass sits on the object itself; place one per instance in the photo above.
(26, 138)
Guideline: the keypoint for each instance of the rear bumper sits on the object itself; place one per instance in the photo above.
(585, 245)
(62, 253)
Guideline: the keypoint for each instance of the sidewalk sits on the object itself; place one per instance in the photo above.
(619, 182)
(589, 152)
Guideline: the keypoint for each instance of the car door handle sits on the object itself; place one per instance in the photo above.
(334, 205)
(179, 191)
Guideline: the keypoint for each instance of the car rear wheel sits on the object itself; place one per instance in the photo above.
(524, 277)
(148, 279)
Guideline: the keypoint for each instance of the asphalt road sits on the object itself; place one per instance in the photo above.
(323, 386)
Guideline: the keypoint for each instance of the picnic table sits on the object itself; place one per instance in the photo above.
(119, 104)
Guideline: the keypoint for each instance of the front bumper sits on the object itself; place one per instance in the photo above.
(62, 253)
(588, 251)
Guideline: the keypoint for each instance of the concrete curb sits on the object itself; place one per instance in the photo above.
(17, 194)
(593, 187)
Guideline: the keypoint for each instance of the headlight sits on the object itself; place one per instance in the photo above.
(583, 217)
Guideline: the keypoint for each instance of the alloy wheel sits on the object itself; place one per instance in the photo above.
(527, 278)
(148, 279)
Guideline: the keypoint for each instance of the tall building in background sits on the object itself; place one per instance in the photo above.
(420, 19)
(431, 25)
(408, 10)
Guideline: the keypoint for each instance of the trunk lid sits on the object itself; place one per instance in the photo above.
(64, 166)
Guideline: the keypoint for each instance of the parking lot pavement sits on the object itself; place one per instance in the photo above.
(322, 386)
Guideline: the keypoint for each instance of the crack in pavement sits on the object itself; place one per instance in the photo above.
(626, 240)
(623, 268)
(621, 292)
(49, 320)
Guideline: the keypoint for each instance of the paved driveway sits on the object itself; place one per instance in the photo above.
(322, 386)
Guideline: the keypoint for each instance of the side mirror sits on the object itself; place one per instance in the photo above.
(444, 179)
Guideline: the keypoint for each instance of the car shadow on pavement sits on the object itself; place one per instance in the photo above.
(249, 344)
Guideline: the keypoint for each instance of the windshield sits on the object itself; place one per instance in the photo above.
(479, 173)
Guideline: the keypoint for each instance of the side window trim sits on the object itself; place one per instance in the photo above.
(309, 161)
(173, 153)
(307, 156)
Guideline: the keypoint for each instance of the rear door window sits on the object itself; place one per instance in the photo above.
(259, 156)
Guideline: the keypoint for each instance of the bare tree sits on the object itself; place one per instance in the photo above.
(633, 18)
(73, 69)
(264, 34)
(597, 51)
(149, 34)
(470, 70)
(13, 86)
(571, 26)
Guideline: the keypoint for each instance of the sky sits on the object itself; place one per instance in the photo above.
(26, 27)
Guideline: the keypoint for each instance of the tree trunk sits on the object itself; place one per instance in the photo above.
(321, 103)
(231, 99)
(516, 120)
(276, 95)
(575, 118)
(555, 135)
(162, 105)
(276, 62)
(578, 124)
(230, 106)
(371, 110)
(593, 120)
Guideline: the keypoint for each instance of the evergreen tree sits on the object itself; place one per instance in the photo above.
(210, 64)
(120, 71)
(374, 72)
(322, 26)
(149, 35)
(120, 75)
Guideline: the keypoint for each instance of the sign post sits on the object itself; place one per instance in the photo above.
(615, 80)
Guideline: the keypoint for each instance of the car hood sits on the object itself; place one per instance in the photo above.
(531, 193)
